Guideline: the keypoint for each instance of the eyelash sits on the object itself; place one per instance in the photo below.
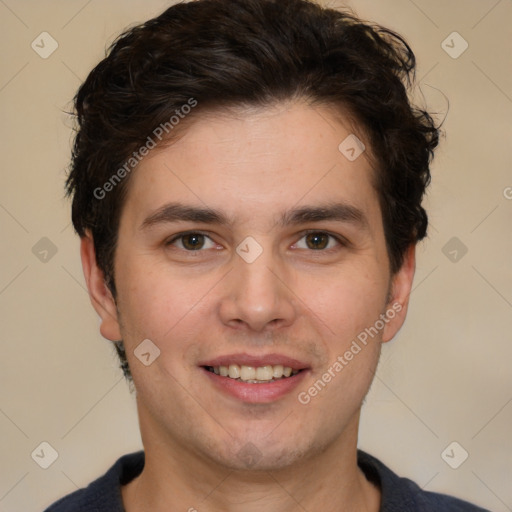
(186, 233)
(339, 240)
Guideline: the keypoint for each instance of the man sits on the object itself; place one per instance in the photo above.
(247, 179)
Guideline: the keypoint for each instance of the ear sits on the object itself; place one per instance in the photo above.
(401, 286)
(99, 293)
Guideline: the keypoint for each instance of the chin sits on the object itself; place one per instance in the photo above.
(250, 458)
(254, 456)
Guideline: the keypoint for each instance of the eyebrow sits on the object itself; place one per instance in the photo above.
(342, 212)
(176, 212)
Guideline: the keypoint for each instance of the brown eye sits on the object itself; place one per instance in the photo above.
(193, 241)
(317, 241)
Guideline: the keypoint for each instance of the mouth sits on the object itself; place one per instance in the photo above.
(254, 374)
(255, 379)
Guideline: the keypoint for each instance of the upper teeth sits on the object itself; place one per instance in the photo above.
(253, 373)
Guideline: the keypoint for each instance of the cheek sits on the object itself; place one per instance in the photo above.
(346, 302)
(169, 311)
(156, 304)
(348, 309)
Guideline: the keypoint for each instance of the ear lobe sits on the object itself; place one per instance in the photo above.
(100, 295)
(401, 286)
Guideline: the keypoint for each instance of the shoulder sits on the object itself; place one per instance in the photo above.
(104, 494)
(403, 495)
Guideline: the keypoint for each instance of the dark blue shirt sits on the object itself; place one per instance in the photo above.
(398, 494)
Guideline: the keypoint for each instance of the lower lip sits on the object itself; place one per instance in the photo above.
(256, 393)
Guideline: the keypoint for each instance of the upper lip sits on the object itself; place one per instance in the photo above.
(256, 361)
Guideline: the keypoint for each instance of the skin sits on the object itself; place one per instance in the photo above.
(306, 303)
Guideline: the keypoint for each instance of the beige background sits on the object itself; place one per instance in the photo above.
(445, 378)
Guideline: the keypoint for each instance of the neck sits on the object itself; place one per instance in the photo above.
(173, 476)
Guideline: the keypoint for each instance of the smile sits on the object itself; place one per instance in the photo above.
(255, 378)
(254, 374)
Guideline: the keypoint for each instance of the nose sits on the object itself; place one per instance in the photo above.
(258, 296)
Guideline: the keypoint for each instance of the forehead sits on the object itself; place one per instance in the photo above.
(259, 162)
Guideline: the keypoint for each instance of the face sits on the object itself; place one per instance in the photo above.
(249, 249)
